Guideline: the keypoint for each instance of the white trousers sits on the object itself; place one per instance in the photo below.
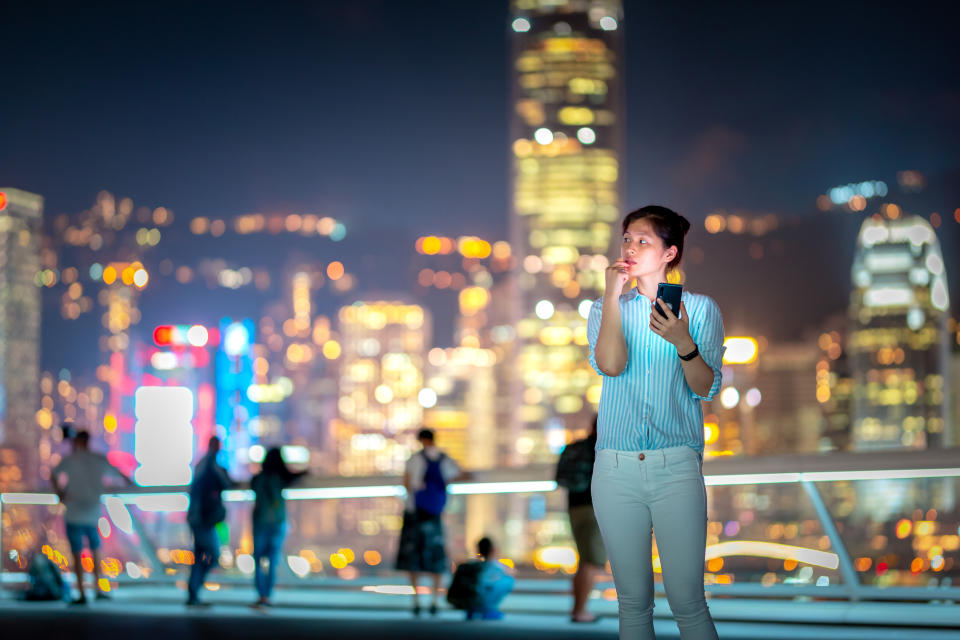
(634, 494)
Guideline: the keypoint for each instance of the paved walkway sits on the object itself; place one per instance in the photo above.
(148, 613)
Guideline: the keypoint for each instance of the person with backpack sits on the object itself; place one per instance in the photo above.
(206, 511)
(479, 586)
(269, 520)
(421, 548)
(575, 474)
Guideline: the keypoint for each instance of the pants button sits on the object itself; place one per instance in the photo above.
(643, 457)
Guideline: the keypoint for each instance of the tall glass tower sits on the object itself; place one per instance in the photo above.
(897, 349)
(381, 374)
(21, 214)
(566, 136)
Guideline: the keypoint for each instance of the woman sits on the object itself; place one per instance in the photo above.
(648, 477)
(269, 520)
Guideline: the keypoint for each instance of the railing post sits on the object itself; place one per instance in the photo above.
(146, 544)
(3, 587)
(847, 569)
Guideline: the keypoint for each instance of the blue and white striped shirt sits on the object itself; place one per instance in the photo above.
(650, 405)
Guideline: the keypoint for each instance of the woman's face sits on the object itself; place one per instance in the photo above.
(643, 250)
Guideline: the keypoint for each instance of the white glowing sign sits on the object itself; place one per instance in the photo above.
(163, 436)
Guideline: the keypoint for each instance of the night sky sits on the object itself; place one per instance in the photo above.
(393, 116)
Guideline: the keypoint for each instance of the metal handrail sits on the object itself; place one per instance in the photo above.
(806, 470)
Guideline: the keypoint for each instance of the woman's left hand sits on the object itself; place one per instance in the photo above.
(674, 330)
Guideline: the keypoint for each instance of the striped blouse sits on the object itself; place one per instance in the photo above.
(650, 405)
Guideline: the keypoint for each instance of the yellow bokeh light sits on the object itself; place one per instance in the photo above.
(331, 350)
(473, 299)
(823, 393)
(109, 275)
(740, 350)
(576, 115)
(471, 247)
(556, 336)
(593, 394)
(558, 557)
(431, 245)
(383, 394)
(44, 418)
(110, 423)
(711, 432)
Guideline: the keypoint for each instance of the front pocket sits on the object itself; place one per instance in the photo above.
(686, 465)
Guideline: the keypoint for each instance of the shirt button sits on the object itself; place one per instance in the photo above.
(643, 457)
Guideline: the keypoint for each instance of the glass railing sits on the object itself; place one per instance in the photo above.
(854, 527)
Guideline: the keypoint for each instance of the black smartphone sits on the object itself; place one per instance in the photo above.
(669, 293)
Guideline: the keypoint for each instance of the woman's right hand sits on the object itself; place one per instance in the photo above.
(617, 277)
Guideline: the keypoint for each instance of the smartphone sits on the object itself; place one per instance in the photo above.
(669, 293)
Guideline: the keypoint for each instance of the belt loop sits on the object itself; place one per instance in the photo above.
(663, 458)
(616, 459)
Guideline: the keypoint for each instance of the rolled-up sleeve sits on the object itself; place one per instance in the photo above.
(593, 332)
(710, 343)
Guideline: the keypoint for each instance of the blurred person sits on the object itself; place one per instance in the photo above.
(84, 471)
(44, 580)
(421, 548)
(656, 369)
(269, 520)
(206, 511)
(479, 586)
(575, 473)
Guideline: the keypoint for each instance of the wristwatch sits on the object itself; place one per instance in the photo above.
(690, 356)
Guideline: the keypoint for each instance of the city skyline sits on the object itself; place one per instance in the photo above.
(161, 264)
(766, 144)
(324, 228)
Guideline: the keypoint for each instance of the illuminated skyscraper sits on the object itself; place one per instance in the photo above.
(458, 401)
(235, 408)
(834, 388)
(20, 218)
(566, 202)
(898, 346)
(788, 419)
(381, 375)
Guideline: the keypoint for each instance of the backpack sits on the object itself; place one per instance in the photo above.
(464, 591)
(433, 496)
(575, 467)
(46, 583)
